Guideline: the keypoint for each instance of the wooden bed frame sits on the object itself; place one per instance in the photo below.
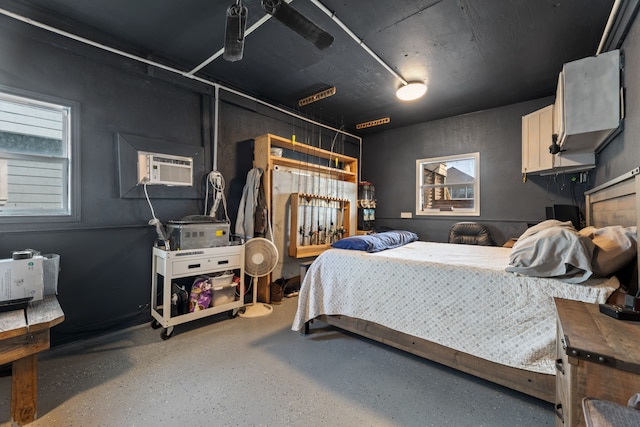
(613, 203)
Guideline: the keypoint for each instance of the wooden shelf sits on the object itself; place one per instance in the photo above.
(347, 170)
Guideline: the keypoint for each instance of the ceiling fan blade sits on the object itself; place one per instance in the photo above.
(298, 23)
(234, 32)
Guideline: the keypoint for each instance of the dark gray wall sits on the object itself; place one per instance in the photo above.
(105, 278)
(105, 258)
(507, 204)
(623, 153)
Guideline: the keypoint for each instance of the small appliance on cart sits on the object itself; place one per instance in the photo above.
(198, 272)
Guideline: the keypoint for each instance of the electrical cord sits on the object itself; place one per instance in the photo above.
(216, 180)
(552, 194)
(155, 221)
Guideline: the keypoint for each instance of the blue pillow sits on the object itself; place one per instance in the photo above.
(377, 242)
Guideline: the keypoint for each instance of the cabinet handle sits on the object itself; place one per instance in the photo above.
(560, 366)
(194, 266)
(226, 261)
(559, 412)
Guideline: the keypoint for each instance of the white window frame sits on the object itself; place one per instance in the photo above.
(447, 211)
(68, 162)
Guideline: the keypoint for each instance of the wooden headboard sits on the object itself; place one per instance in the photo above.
(615, 203)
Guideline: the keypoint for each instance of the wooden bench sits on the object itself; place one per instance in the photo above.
(23, 334)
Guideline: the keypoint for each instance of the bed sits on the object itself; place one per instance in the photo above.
(456, 304)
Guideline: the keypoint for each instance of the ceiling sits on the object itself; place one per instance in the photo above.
(473, 54)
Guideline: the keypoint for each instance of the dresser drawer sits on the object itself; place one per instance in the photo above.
(565, 392)
(192, 266)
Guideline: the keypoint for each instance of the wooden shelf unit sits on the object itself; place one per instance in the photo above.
(296, 250)
(265, 160)
(347, 171)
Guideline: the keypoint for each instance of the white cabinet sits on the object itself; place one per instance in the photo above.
(537, 129)
(537, 136)
(586, 114)
(167, 266)
(567, 161)
(587, 107)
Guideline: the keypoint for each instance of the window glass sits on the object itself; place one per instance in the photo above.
(448, 185)
(35, 157)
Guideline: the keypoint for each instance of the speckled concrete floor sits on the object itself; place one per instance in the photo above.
(257, 372)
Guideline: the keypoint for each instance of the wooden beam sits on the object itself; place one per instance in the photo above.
(24, 390)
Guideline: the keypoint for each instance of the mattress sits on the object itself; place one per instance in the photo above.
(459, 296)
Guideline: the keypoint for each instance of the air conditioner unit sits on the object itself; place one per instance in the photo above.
(164, 169)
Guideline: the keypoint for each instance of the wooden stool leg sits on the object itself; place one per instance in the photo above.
(24, 390)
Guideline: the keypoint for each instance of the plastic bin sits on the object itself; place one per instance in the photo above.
(224, 295)
(224, 290)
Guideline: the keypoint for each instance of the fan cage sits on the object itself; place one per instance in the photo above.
(261, 256)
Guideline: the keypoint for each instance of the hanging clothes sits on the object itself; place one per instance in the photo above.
(248, 204)
(261, 212)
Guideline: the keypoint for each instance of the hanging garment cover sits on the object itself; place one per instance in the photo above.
(261, 212)
(248, 203)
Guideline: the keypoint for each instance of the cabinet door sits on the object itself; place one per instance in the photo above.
(591, 98)
(537, 129)
(569, 161)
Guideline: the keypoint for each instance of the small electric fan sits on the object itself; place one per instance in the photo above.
(261, 257)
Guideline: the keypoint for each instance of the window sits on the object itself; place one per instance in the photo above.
(448, 185)
(37, 159)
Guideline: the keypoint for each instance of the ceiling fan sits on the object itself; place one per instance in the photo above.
(237, 20)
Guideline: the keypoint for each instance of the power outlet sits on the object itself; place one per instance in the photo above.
(406, 215)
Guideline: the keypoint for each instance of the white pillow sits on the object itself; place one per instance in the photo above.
(615, 247)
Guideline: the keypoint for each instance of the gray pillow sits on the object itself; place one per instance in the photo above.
(552, 249)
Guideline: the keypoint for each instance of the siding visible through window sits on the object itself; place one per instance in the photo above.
(448, 185)
(34, 145)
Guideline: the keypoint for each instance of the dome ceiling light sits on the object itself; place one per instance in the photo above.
(411, 91)
(416, 89)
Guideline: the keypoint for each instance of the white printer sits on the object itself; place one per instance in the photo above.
(22, 276)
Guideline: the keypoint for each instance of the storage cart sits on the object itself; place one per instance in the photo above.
(218, 262)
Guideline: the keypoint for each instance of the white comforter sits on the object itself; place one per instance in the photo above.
(459, 296)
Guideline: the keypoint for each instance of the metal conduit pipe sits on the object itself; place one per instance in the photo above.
(607, 29)
(216, 107)
(221, 51)
(182, 73)
(358, 40)
(216, 55)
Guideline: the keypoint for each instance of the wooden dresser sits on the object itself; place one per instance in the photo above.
(597, 356)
